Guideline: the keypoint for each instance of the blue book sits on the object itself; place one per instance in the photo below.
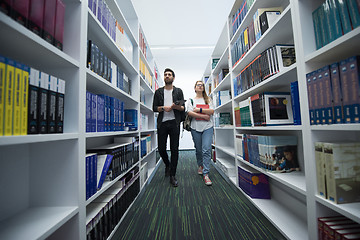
(100, 110)
(335, 22)
(130, 119)
(354, 13)
(344, 15)
(336, 93)
(295, 102)
(103, 164)
(93, 112)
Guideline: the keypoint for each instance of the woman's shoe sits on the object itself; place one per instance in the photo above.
(207, 180)
(200, 170)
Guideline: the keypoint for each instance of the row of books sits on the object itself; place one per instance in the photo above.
(107, 114)
(145, 142)
(102, 65)
(263, 19)
(239, 15)
(333, 93)
(337, 227)
(219, 77)
(144, 122)
(338, 171)
(254, 183)
(145, 72)
(334, 18)
(105, 212)
(107, 162)
(223, 119)
(117, 33)
(271, 153)
(269, 108)
(45, 18)
(222, 97)
(31, 101)
(273, 60)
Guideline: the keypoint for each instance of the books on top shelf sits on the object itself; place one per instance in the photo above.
(333, 93)
(333, 18)
(338, 171)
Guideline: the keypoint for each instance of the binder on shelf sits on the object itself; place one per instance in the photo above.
(49, 20)
(33, 100)
(59, 24)
(36, 16)
(51, 105)
(24, 92)
(336, 93)
(2, 92)
(60, 105)
(17, 103)
(103, 164)
(9, 97)
(20, 11)
(42, 102)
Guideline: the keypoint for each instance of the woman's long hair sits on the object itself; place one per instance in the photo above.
(205, 96)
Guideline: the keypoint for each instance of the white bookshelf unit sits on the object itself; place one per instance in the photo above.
(294, 205)
(43, 175)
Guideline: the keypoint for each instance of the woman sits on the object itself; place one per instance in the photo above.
(201, 110)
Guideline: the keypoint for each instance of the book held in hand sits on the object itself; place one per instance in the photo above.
(205, 106)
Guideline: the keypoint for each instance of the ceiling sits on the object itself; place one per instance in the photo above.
(182, 34)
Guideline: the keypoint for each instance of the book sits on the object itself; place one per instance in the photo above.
(322, 220)
(6, 7)
(285, 56)
(354, 13)
(59, 24)
(103, 164)
(295, 102)
(60, 105)
(278, 109)
(17, 104)
(353, 65)
(51, 105)
(257, 21)
(336, 93)
(42, 102)
(253, 183)
(49, 20)
(267, 20)
(2, 92)
(33, 100)
(352, 227)
(20, 11)
(340, 234)
(342, 164)
(203, 106)
(36, 16)
(342, 6)
(237, 117)
(320, 169)
(24, 92)
(9, 97)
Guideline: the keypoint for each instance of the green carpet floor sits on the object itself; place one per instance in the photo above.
(193, 210)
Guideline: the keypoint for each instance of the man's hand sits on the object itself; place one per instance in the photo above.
(177, 107)
(167, 108)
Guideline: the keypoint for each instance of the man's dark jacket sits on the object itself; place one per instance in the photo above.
(177, 95)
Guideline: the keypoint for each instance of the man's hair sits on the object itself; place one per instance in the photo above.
(169, 70)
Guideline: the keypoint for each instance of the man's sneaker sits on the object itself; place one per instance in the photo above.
(207, 180)
(200, 170)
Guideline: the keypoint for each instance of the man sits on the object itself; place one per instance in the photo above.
(169, 102)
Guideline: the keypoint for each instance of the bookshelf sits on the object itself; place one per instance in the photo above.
(50, 168)
(294, 205)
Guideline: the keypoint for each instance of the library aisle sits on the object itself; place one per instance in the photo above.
(193, 210)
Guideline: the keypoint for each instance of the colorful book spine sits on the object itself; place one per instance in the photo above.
(24, 96)
(295, 102)
(42, 102)
(49, 20)
(60, 105)
(353, 66)
(9, 97)
(2, 92)
(36, 16)
(59, 24)
(51, 105)
(33, 100)
(336, 93)
(17, 104)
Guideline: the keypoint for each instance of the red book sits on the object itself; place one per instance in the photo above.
(49, 20)
(36, 16)
(206, 106)
(59, 24)
(6, 6)
(21, 11)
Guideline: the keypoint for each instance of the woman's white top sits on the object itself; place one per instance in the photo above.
(199, 125)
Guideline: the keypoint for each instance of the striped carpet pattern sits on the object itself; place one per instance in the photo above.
(193, 210)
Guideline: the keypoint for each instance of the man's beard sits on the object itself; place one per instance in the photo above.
(169, 82)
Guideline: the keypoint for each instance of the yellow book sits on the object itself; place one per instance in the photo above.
(9, 97)
(16, 107)
(2, 93)
(24, 90)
